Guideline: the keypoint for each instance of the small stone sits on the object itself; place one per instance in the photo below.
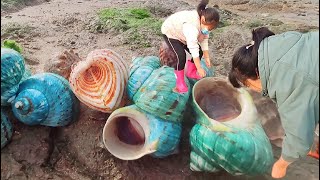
(302, 14)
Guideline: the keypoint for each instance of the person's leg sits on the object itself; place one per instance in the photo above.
(178, 49)
(191, 71)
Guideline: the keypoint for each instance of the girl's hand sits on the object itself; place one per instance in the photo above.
(208, 62)
(279, 168)
(201, 72)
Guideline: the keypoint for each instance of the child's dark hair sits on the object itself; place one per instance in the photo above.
(245, 59)
(211, 15)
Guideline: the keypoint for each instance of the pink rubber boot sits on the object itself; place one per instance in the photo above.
(181, 86)
(192, 71)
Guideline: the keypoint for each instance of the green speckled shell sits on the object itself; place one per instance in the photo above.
(6, 130)
(238, 152)
(157, 97)
(12, 71)
(239, 145)
(152, 89)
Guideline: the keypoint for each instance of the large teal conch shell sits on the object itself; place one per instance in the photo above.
(228, 134)
(131, 133)
(6, 130)
(151, 89)
(45, 99)
(12, 72)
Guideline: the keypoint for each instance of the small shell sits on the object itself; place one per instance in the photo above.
(228, 135)
(167, 56)
(62, 63)
(131, 133)
(155, 94)
(45, 99)
(6, 130)
(100, 80)
(12, 71)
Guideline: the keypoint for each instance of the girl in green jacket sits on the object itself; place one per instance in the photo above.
(284, 67)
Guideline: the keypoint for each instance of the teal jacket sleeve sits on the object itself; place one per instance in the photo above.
(299, 113)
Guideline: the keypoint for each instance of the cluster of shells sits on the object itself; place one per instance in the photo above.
(227, 134)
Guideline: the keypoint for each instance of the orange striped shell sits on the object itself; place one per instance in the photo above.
(100, 80)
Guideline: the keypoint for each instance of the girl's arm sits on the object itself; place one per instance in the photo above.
(191, 33)
(205, 48)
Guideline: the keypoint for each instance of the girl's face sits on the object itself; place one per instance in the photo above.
(207, 26)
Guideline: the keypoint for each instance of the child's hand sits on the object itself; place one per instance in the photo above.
(201, 72)
(279, 168)
(208, 62)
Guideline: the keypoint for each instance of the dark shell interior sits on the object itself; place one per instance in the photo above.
(129, 131)
(218, 99)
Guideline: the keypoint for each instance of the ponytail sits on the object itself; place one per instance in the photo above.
(202, 6)
(259, 35)
(245, 59)
(233, 79)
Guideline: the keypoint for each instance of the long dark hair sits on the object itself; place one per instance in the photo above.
(211, 15)
(245, 59)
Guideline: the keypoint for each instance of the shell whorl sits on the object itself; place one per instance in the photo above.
(100, 80)
(6, 129)
(31, 103)
(12, 71)
(23, 105)
(45, 99)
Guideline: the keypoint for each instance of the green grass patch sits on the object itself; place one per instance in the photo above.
(254, 24)
(136, 24)
(223, 24)
(263, 22)
(293, 27)
(6, 4)
(12, 44)
(16, 29)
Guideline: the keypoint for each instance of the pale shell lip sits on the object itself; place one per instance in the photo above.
(248, 112)
(120, 149)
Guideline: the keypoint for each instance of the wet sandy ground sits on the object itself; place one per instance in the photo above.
(76, 151)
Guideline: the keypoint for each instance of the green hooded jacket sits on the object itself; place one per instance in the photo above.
(289, 72)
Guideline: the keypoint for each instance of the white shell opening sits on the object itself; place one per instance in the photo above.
(218, 99)
(125, 135)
